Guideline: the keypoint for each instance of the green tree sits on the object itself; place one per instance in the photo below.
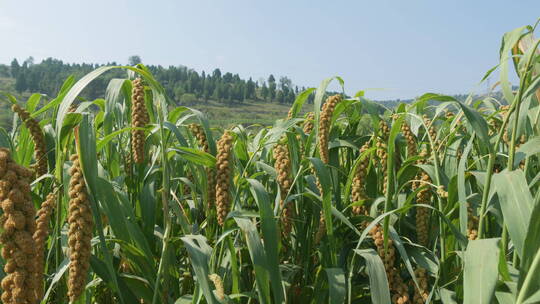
(134, 60)
(15, 68)
(290, 97)
(284, 83)
(216, 74)
(20, 82)
(264, 92)
(272, 86)
(4, 70)
(280, 96)
(178, 92)
(250, 89)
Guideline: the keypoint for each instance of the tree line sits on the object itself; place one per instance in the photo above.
(183, 84)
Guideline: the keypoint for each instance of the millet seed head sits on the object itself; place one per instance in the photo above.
(40, 149)
(18, 223)
(139, 119)
(308, 122)
(40, 237)
(357, 190)
(223, 175)
(198, 132)
(283, 168)
(325, 121)
(80, 231)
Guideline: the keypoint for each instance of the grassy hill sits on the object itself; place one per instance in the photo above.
(249, 112)
(219, 114)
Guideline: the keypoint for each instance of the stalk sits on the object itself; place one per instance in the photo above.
(234, 265)
(439, 200)
(529, 278)
(512, 150)
(492, 154)
(489, 173)
(165, 192)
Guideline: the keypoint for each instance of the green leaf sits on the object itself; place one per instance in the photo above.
(505, 297)
(516, 204)
(323, 176)
(196, 156)
(105, 140)
(531, 147)
(300, 100)
(199, 253)
(533, 299)
(258, 257)
(479, 125)
(86, 149)
(378, 282)
(530, 249)
(336, 283)
(509, 40)
(481, 270)
(33, 102)
(74, 92)
(447, 296)
(270, 234)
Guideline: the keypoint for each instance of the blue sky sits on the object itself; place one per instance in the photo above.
(406, 47)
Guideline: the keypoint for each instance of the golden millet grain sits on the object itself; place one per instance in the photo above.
(432, 132)
(385, 129)
(38, 138)
(18, 223)
(421, 295)
(321, 230)
(400, 293)
(411, 140)
(290, 113)
(218, 283)
(199, 133)
(494, 125)
(72, 108)
(422, 214)
(128, 164)
(423, 196)
(382, 152)
(186, 190)
(139, 119)
(324, 125)
(441, 192)
(308, 123)
(40, 237)
(81, 224)
(401, 290)
(283, 169)
(358, 192)
(223, 175)
(504, 110)
(472, 224)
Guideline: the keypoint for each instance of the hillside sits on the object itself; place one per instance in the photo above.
(219, 114)
(224, 96)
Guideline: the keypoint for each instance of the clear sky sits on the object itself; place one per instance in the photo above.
(407, 47)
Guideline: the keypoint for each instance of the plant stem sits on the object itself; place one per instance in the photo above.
(489, 172)
(165, 202)
(529, 278)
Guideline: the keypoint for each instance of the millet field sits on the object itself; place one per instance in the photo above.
(129, 199)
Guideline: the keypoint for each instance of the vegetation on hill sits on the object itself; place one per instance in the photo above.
(181, 83)
(142, 201)
(225, 97)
